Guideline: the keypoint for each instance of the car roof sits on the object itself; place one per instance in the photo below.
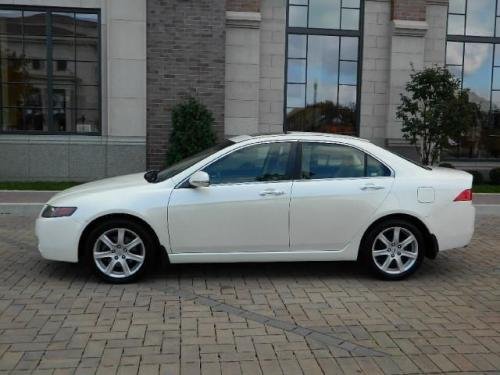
(297, 135)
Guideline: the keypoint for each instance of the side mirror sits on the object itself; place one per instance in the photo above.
(199, 179)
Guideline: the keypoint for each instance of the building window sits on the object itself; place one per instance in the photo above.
(322, 74)
(473, 56)
(50, 70)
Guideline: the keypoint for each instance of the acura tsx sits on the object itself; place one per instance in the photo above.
(287, 197)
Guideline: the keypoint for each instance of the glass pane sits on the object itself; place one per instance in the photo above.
(87, 121)
(350, 3)
(63, 119)
(454, 53)
(324, 14)
(63, 49)
(87, 25)
(14, 70)
(11, 22)
(87, 50)
(477, 72)
(63, 24)
(13, 94)
(322, 69)
(497, 54)
(87, 73)
(480, 17)
(11, 46)
(456, 25)
(347, 97)
(497, 32)
(296, 71)
(63, 70)
(12, 119)
(87, 97)
(348, 73)
(35, 119)
(35, 47)
(35, 23)
(457, 6)
(295, 95)
(496, 78)
(63, 96)
(297, 46)
(348, 48)
(350, 19)
(297, 16)
(495, 101)
(321, 161)
(456, 71)
(374, 168)
(298, 2)
(36, 95)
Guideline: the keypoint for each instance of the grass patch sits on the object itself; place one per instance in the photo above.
(486, 188)
(38, 185)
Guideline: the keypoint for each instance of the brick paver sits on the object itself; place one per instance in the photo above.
(297, 318)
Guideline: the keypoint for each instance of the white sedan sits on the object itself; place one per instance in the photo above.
(287, 197)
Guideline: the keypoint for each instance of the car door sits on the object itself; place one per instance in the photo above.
(244, 209)
(339, 189)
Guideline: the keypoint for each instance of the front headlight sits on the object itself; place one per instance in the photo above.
(51, 211)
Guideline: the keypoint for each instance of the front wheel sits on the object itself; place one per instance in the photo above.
(119, 251)
(393, 249)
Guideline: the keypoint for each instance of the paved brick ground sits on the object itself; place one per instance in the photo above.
(302, 318)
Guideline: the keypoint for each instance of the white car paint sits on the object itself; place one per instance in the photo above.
(267, 221)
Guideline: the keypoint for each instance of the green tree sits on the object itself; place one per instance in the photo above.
(435, 112)
(192, 130)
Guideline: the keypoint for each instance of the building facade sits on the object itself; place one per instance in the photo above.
(87, 86)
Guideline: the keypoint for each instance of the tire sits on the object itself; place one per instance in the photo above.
(120, 251)
(393, 256)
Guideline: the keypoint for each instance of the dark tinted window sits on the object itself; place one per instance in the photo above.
(323, 160)
(264, 162)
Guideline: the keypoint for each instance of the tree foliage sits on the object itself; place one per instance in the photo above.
(435, 112)
(192, 130)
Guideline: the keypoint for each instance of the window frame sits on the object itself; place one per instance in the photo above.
(298, 166)
(327, 32)
(49, 70)
(291, 167)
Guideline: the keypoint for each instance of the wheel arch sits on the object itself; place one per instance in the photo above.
(90, 226)
(431, 244)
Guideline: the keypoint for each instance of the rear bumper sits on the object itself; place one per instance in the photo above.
(58, 238)
(453, 226)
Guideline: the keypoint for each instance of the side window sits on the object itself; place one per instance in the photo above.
(374, 168)
(322, 160)
(265, 162)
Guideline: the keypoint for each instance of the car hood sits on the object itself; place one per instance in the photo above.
(107, 185)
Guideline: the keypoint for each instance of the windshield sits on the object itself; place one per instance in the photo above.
(190, 161)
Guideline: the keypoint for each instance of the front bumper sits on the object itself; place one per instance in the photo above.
(58, 238)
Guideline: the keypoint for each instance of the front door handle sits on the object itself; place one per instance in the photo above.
(274, 192)
(369, 187)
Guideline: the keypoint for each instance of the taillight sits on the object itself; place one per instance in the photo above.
(464, 196)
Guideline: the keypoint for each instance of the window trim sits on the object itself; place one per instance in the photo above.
(184, 184)
(327, 32)
(365, 153)
(49, 68)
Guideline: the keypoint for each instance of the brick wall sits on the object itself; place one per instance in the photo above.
(185, 57)
(243, 5)
(413, 10)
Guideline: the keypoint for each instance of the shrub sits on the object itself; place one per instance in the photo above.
(446, 165)
(495, 176)
(192, 130)
(477, 177)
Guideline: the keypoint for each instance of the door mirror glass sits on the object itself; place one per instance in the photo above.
(199, 179)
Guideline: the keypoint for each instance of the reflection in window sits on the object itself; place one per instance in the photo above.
(473, 56)
(322, 69)
(36, 44)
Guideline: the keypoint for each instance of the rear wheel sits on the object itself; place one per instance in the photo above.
(393, 249)
(120, 250)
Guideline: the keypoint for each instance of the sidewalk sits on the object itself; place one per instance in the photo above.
(13, 202)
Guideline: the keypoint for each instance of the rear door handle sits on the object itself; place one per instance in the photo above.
(369, 187)
(274, 192)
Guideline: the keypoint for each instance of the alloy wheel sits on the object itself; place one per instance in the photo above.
(119, 253)
(395, 250)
